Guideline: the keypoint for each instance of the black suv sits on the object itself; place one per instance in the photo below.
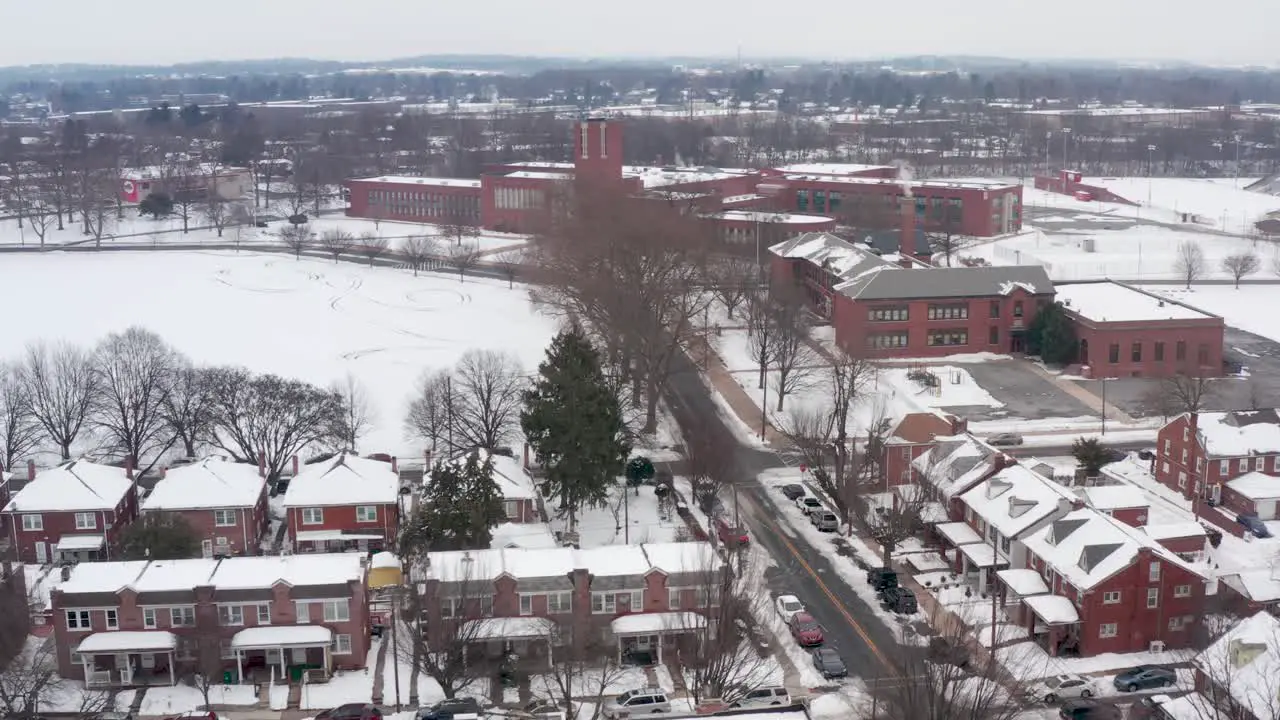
(448, 709)
(1088, 710)
(899, 600)
(881, 578)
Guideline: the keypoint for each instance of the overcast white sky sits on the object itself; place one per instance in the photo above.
(104, 31)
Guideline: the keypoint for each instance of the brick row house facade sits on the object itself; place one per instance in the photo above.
(72, 512)
(153, 622)
(224, 502)
(636, 597)
(913, 436)
(1230, 459)
(343, 503)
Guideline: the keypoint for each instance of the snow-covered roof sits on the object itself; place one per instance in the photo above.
(762, 216)
(77, 485)
(653, 177)
(656, 622)
(535, 175)
(1114, 497)
(81, 542)
(265, 571)
(836, 255)
(384, 559)
(1015, 499)
(235, 573)
(1258, 585)
(967, 184)
(124, 640)
(1024, 582)
(958, 533)
(605, 561)
(514, 482)
(1053, 609)
(1169, 531)
(956, 464)
(1109, 301)
(831, 168)
(1256, 486)
(344, 479)
(1245, 663)
(1239, 433)
(208, 483)
(282, 636)
(522, 535)
(427, 181)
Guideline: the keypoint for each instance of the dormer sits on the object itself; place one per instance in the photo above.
(1019, 506)
(996, 488)
(1092, 555)
(1061, 529)
(1241, 652)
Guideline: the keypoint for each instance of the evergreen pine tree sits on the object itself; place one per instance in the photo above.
(1052, 336)
(460, 507)
(573, 422)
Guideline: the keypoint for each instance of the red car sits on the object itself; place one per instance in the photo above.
(729, 535)
(805, 630)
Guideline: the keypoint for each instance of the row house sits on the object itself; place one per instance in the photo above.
(953, 466)
(913, 436)
(640, 598)
(1201, 454)
(154, 622)
(1237, 677)
(343, 503)
(224, 502)
(518, 489)
(1090, 584)
(73, 512)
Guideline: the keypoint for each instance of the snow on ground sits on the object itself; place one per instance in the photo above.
(797, 657)
(429, 691)
(1028, 661)
(1216, 205)
(648, 520)
(161, 700)
(308, 319)
(849, 702)
(351, 686)
(955, 388)
(1083, 423)
(1239, 308)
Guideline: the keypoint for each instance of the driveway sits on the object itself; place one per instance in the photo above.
(1026, 394)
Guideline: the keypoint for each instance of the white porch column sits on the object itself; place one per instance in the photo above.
(87, 662)
(284, 667)
(660, 639)
(239, 666)
(328, 668)
(172, 678)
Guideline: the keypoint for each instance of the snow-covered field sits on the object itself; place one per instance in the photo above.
(1216, 204)
(1245, 308)
(309, 319)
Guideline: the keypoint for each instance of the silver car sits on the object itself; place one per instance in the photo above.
(633, 703)
(824, 520)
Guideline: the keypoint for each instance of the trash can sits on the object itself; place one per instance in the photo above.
(229, 677)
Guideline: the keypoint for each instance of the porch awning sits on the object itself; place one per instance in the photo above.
(317, 535)
(1053, 609)
(657, 623)
(512, 628)
(983, 555)
(958, 533)
(128, 641)
(1023, 583)
(281, 636)
(80, 542)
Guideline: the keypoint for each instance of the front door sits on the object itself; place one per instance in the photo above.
(42, 552)
(206, 548)
(1016, 342)
(125, 668)
(298, 656)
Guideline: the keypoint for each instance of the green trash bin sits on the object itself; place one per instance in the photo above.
(229, 677)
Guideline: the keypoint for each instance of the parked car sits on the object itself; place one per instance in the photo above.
(808, 504)
(824, 520)
(1148, 708)
(805, 629)
(828, 662)
(449, 709)
(788, 605)
(881, 578)
(1063, 687)
(765, 697)
(1144, 677)
(946, 651)
(1005, 439)
(190, 715)
(1088, 710)
(731, 535)
(541, 710)
(793, 491)
(641, 701)
(899, 599)
(1147, 454)
(1254, 525)
(1113, 455)
(352, 711)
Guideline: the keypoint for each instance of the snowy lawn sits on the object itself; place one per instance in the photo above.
(184, 698)
(352, 686)
(850, 701)
(307, 319)
(1028, 661)
(630, 517)
(1238, 308)
(589, 683)
(429, 691)
(1217, 205)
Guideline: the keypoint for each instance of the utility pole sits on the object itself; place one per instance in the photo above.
(395, 642)
(764, 402)
(1104, 405)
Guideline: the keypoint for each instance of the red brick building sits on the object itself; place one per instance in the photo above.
(1201, 454)
(120, 624)
(410, 199)
(223, 501)
(1127, 332)
(75, 511)
(913, 436)
(343, 503)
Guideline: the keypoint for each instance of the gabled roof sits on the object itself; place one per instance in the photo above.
(560, 562)
(344, 479)
(1239, 433)
(1256, 486)
(1114, 497)
(236, 573)
(838, 256)
(514, 482)
(1245, 663)
(918, 428)
(78, 485)
(207, 483)
(956, 464)
(953, 282)
(1015, 499)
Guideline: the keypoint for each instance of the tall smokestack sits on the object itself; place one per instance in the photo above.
(907, 243)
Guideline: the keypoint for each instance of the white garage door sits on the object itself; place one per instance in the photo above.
(1266, 509)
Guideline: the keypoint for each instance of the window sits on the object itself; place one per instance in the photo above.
(1179, 622)
(228, 653)
(33, 523)
(302, 611)
(149, 618)
(78, 620)
(604, 603)
(224, 518)
(995, 308)
(341, 644)
(1153, 597)
(366, 513)
(889, 314)
(1167, 445)
(1259, 464)
(511, 508)
(1017, 309)
(1202, 354)
(1153, 572)
(1275, 463)
(231, 614)
(1158, 350)
(1135, 353)
(1224, 467)
(1113, 353)
(312, 516)
(637, 599)
(526, 604)
(1164, 467)
(1108, 630)
(1182, 591)
(182, 617)
(993, 335)
(887, 340)
(948, 338)
(1184, 456)
(1180, 351)
(1186, 433)
(113, 620)
(264, 614)
(86, 521)
(337, 610)
(561, 602)
(1182, 481)
(948, 312)
(1111, 597)
(1244, 464)
(673, 598)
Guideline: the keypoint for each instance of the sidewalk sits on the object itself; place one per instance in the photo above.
(733, 394)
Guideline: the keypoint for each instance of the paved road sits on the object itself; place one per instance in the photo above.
(862, 639)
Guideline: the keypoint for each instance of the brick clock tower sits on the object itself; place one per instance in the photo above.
(597, 150)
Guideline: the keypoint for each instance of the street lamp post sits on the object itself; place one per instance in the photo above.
(1066, 134)
(1236, 182)
(1150, 155)
(1048, 143)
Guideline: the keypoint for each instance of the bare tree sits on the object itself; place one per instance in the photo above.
(61, 386)
(454, 614)
(464, 257)
(31, 678)
(186, 408)
(1240, 265)
(1189, 263)
(946, 240)
(457, 229)
(432, 410)
(191, 187)
(97, 195)
(357, 412)
(1188, 393)
(19, 429)
(418, 250)
(296, 237)
(336, 242)
(762, 336)
(793, 355)
(372, 245)
(41, 217)
(217, 211)
(489, 386)
(509, 263)
(586, 668)
(133, 372)
(735, 280)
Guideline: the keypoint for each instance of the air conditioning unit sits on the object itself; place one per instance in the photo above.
(1157, 646)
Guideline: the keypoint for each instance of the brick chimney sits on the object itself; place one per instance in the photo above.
(163, 471)
(262, 463)
(907, 243)
(31, 470)
(395, 466)
(526, 456)
(959, 426)
(128, 466)
(295, 465)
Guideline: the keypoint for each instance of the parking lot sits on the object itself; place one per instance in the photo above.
(1026, 394)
